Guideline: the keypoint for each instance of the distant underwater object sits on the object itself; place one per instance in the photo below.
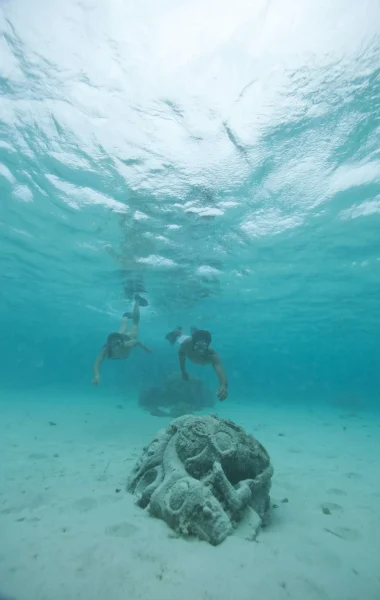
(176, 397)
(202, 475)
(349, 401)
(151, 397)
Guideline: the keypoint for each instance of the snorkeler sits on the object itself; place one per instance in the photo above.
(197, 349)
(119, 345)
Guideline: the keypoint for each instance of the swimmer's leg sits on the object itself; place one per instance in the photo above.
(124, 323)
(135, 318)
(141, 301)
(173, 335)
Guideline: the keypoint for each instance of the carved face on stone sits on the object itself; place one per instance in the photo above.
(201, 475)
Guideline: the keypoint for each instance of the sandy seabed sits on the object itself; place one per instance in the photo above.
(70, 531)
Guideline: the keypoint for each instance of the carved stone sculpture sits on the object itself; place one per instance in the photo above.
(201, 475)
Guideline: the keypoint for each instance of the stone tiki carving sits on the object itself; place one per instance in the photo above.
(201, 474)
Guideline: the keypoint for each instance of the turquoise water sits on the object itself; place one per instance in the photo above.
(226, 156)
(225, 153)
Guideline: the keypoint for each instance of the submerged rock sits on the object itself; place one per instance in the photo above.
(202, 475)
(176, 397)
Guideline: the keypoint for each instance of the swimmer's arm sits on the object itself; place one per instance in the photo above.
(98, 362)
(141, 345)
(219, 369)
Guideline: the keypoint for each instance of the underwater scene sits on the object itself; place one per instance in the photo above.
(189, 300)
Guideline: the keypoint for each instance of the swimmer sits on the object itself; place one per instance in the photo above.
(119, 345)
(197, 349)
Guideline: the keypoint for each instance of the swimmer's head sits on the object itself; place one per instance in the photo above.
(116, 341)
(201, 340)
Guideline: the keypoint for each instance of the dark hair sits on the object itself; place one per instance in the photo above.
(201, 335)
